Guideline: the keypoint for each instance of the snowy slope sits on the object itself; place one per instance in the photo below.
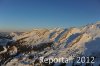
(68, 43)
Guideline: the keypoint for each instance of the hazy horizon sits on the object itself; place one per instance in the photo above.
(24, 15)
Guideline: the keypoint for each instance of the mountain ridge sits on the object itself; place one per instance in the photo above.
(58, 42)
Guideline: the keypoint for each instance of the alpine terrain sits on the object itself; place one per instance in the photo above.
(81, 46)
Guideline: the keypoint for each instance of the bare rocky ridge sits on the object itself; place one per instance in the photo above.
(25, 48)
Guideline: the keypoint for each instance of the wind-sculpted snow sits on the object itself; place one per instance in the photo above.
(26, 48)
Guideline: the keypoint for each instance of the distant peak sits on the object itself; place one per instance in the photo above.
(97, 23)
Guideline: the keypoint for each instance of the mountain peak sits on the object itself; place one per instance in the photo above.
(98, 24)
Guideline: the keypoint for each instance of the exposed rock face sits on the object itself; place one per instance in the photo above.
(12, 50)
(3, 49)
(25, 49)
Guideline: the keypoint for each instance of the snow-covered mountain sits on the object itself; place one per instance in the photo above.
(25, 48)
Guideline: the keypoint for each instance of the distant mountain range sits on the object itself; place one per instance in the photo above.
(25, 48)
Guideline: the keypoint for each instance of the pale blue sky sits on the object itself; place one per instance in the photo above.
(28, 14)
